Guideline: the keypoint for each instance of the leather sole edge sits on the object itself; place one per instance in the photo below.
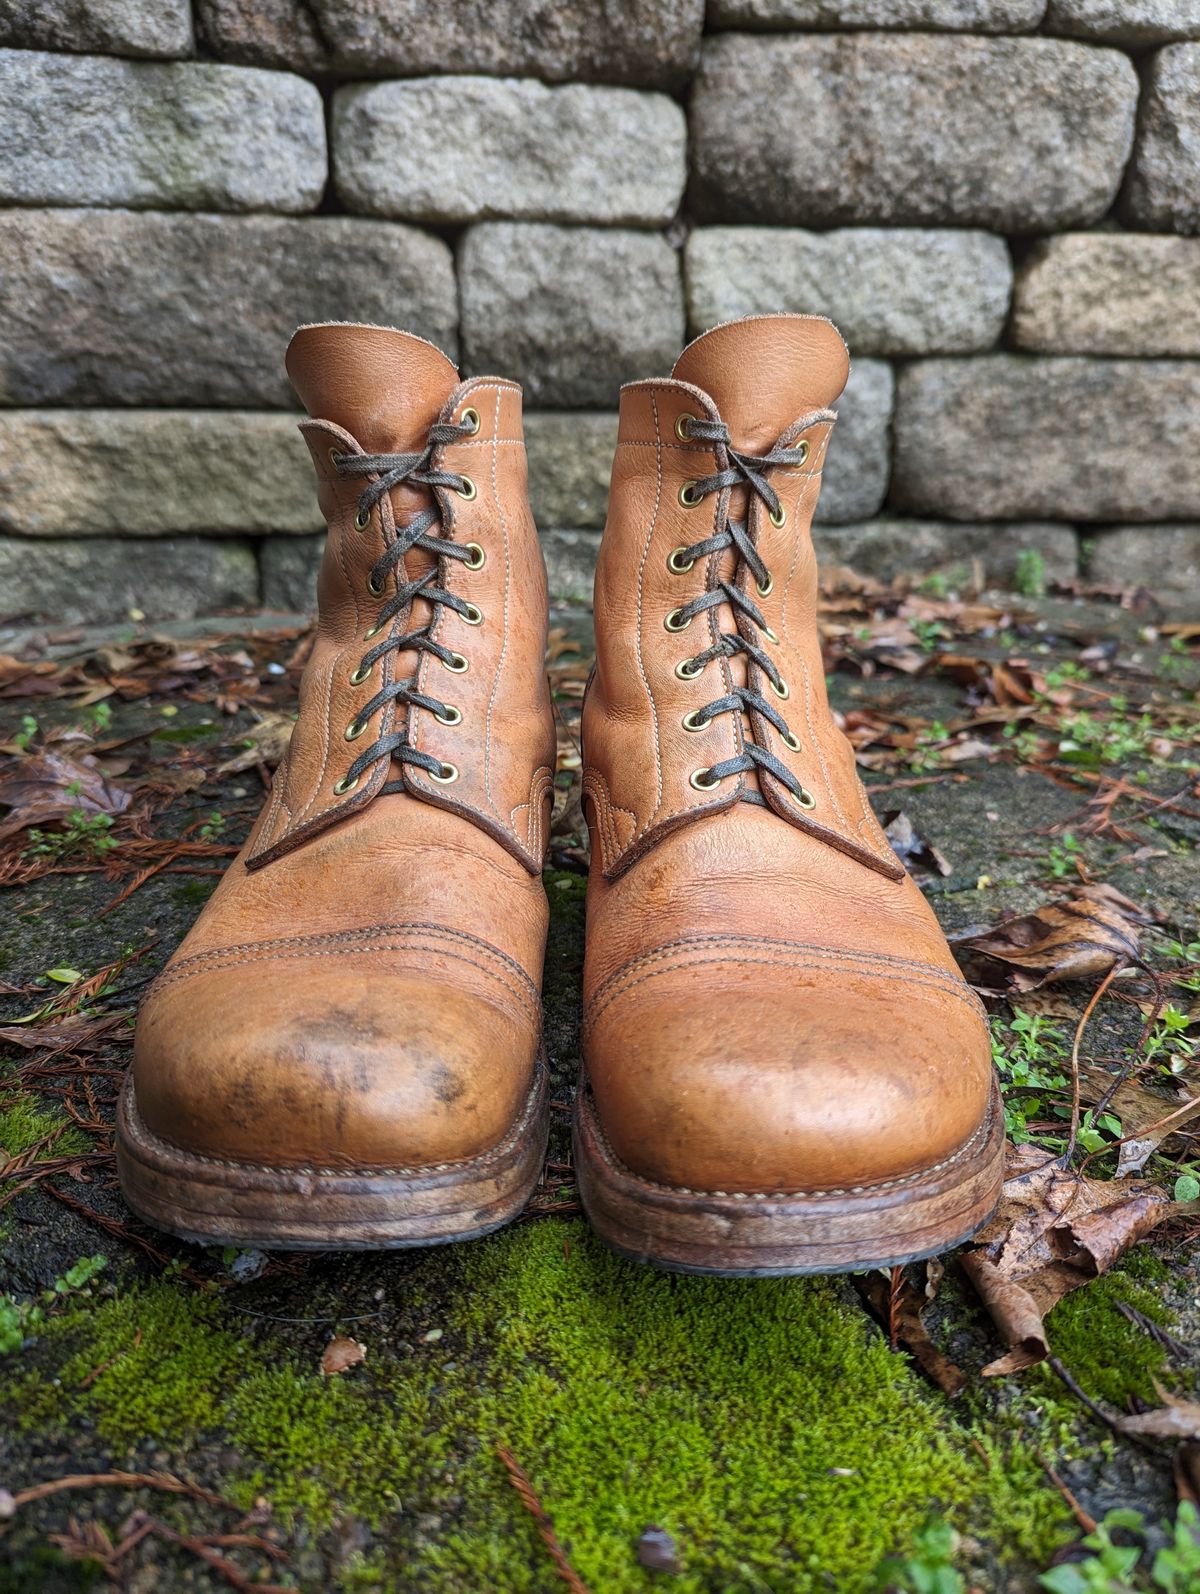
(250, 1204)
(768, 1236)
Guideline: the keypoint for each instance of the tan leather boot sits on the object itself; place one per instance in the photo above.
(345, 1050)
(784, 1070)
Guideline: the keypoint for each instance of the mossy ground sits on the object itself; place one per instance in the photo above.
(766, 1425)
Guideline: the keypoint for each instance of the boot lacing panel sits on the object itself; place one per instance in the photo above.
(388, 471)
(743, 470)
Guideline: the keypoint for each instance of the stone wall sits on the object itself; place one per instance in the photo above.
(997, 201)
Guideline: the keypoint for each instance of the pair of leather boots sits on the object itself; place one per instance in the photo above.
(784, 1071)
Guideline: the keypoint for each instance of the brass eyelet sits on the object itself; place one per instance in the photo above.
(767, 587)
(478, 557)
(679, 566)
(686, 671)
(696, 721)
(344, 785)
(452, 716)
(770, 635)
(683, 427)
(777, 520)
(806, 799)
(801, 451)
(687, 498)
(698, 781)
(354, 730)
(362, 520)
(467, 490)
(334, 455)
(358, 676)
(446, 776)
(470, 419)
(373, 587)
(456, 664)
(789, 740)
(674, 623)
(472, 615)
(374, 631)
(783, 690)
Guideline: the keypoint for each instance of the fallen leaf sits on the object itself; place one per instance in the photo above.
(1080, 936)
(902, 1310)
(1175, 1419)
(1054, 1231)
(1187, 1471)
(918, 855)
(268, 741)
(340, 1355)
(49, 786)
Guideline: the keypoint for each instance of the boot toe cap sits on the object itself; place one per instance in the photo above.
(778, 1077)
(331, 1068)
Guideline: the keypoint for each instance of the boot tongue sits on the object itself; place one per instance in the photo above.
(386, 388)
(765, 372)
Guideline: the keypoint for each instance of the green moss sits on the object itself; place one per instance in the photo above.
(764, 1423)
(1110, 1357)
(24, 1121)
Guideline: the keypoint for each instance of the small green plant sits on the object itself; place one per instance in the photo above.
(1028, 1055)
(213, 826)
(19, 1319)
(1026, 742)
(1168, 1043)
(1118, 1568)
(1029, 576)
(1062, 855)
(98, 715)
(925, 755)
(1185, 952)
(29, 729)
(83, 836)
(929, 1569)
(1115, 738)
(930, 634)
(1187, 1187)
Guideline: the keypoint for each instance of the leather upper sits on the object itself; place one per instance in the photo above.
(362, 990)
(636, 704)
(393, 387)
(770, 1005)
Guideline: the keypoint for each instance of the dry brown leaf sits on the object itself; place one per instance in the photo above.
(1174, 1419)
(48, 786)
(918, 854)
(1054, 1231)
(1080, 936)
(1187, 1471)
(902, 1311)
(268, 740)
(340, 1355)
